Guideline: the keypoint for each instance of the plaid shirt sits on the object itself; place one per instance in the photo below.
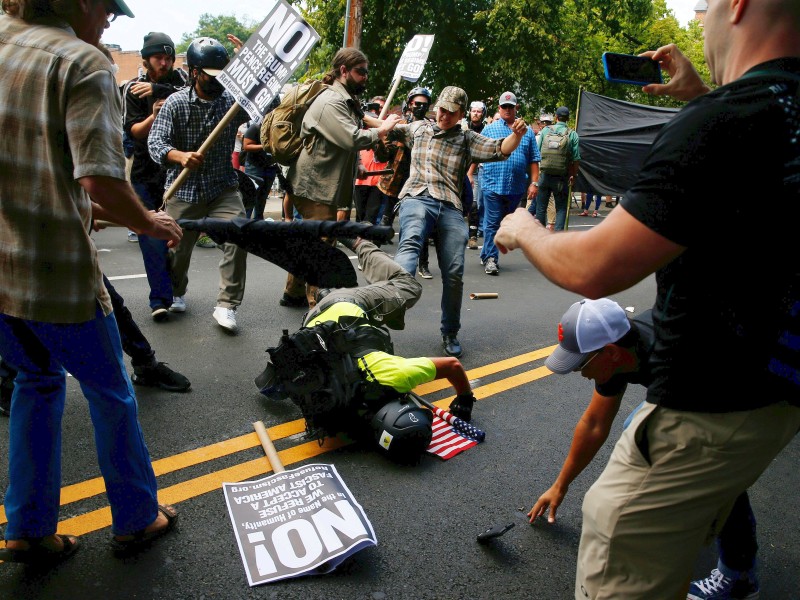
(61, 116)
(184, 123)
(439, 159)
(510, 177)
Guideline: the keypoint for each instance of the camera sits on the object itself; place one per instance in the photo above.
(629, 68)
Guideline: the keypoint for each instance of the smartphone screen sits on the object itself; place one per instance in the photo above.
(629, 68)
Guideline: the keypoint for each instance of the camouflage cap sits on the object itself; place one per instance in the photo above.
(452, 98)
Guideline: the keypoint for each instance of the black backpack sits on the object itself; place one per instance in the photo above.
(316, 368)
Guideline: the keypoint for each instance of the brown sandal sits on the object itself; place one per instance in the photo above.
(38, 554)
(142, 538)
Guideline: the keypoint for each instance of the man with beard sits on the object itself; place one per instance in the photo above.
(322, 177)
(144, 97)
(211, 189)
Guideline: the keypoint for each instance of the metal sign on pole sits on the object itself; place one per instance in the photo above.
(258, 71)
(410, 65)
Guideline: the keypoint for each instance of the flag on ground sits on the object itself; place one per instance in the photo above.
(446, 441)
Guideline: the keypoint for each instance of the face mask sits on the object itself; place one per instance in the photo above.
(211, 87)
(420, 110)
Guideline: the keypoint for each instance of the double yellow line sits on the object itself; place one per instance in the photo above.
(101, 518)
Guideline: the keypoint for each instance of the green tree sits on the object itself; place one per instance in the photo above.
(217, 27)
(543, 50)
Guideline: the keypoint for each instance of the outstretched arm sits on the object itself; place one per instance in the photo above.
(450, 368)
(590, 434)
(624, 251)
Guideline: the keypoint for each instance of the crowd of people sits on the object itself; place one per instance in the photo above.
(679, 472)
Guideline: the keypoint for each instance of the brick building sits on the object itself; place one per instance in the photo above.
(129, 62)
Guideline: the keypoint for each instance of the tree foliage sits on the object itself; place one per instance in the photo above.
(217, 27)
(545, 51)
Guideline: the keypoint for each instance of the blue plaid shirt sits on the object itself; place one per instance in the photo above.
(509, 176)
(184, 123)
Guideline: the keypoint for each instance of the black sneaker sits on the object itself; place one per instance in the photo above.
(452, 347)
(425, 273)
(160, 375)
(287, 300)
(160, 314)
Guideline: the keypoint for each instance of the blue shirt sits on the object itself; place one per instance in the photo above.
(184, 123)
(509, 176)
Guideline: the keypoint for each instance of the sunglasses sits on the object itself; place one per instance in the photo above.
(110, 17)
(361, 71)
(589, 359)
(508, 106)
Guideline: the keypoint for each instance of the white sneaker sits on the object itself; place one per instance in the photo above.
(178, 304)
(226, 318)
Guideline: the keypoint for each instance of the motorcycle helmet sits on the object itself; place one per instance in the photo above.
(207, 54)
(403, 430)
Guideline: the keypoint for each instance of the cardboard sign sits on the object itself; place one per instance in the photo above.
(299, 522)
(414, 57)
(268, 58)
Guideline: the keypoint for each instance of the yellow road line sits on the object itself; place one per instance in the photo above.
(101, 518)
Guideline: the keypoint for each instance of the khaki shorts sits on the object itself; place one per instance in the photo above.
(671, 477)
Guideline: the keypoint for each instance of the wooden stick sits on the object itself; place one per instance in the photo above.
(212, 137)
(269, 448)
(484, 295)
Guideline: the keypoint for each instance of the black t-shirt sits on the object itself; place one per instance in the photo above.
(257, 160)
(643, 325)
(137, 109)
(727, 311)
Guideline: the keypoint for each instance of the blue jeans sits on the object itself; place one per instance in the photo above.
(418, 217)
(558, 185)
(91, 352)
(154, 251)
(496, 207)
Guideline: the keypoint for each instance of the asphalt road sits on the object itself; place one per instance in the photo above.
(426, 517)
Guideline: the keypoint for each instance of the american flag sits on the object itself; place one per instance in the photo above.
(447, 441)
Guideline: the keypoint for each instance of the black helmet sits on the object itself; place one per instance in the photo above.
(207, 54)
(403, 430)
(419, 91)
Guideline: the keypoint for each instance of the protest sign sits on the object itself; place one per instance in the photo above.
(269, 57)
(414, 57)
(299, 522)
(410, 65)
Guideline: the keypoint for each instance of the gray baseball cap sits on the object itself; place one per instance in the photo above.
(587, 326)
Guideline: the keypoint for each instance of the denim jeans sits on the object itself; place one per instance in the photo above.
(558, 185)
(91, 352)
(418, 217)
(496, 207)
(154, 251)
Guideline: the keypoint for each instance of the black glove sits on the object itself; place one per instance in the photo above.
(461, 406)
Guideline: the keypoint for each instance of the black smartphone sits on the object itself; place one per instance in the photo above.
(629, 68)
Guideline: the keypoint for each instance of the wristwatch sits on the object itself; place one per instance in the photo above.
(536, 183)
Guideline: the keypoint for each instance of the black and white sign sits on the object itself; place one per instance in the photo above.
(268, 58)
(414, 57)
(299, 522)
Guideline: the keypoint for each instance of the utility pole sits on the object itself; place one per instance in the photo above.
(352, 24)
